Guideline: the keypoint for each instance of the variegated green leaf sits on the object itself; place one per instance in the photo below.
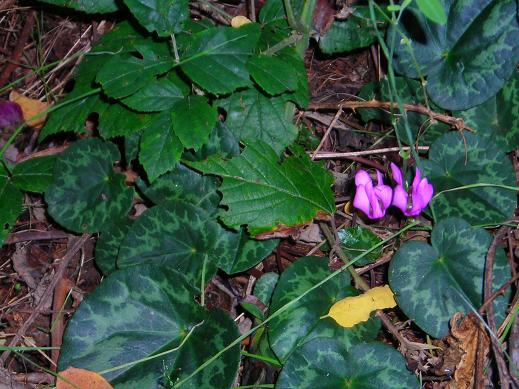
(108, 244)
(86, 194)
(431, 283)
(468, 59)
(264, 287)
(328, 363)
(457, 160)
(221, 142)
(302, 322)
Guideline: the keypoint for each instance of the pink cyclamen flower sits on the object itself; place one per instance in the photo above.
(372, 200)
(413, 200)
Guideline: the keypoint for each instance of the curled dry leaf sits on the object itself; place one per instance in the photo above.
(353, 310)
(30, 108)
(82, 379)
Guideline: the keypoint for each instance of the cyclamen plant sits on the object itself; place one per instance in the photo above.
(375, 200)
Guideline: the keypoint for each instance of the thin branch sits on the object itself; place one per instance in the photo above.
(328, 130)
(350, 154)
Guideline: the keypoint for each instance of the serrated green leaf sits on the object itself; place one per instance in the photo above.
(221, 142)
(160, 148)
(264, 287)
(497, 119)
(302, 322)
(457, 160)
(433, 10)
(431, 283)
(34, 175)
(117, 120)
(346, 35)
(165, 17)
(216, 58)
(107, 246)
(264, 194)
(11, 200)
(89, 6)
(272, 74)
(131, 147)
(140, 312)
(193, 119)
(178, 235)
(356, 240)
(252, 115)
(158, 95)
(86, 194)
(327, 363)
(468, 59)
(274, 10)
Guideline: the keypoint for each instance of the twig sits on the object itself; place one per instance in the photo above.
(349, 155)
(455, 122)
(216, 13)
(76, 246)
(497, 293)
(25, 236)
(328, 130)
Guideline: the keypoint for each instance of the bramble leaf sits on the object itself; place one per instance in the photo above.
(165, 17)
(272, 74)
(34, 175)
(90, 6)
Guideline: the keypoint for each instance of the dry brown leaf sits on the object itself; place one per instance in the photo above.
(239, 21)
(30, 108)
(82, 379)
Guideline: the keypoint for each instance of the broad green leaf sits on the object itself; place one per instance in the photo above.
(131, 146)
(184, 184)
(252, 115)
(89, 6)
(117, 120)
(193, 119)
(274, 9)
(158, 95)
(265, 194)
(356, 240)
(165, 17)
(301, 96)
(431, 283)
(467, 60)
(124, 75)
(216, 58)
(107, 246)
(346, 35)
(272, 74)
(264, 287)
(221, 142)
(327, 363)
(160, 148)
(179, 235)
(302, 322)
(139, 312)
(497, 119)
(34, 175)
(245, 252)
(433, 10)
(11, 200)
(86, 194)
(457, 160)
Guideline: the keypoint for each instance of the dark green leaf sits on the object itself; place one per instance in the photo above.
(11, 200)
(356, 240)
(431, 283)
(216, 57)
(160, 148)
(327, 363)
(221, 142)
(139, 312)
(165, 17)
(86, 194)
(107, 246)
(193, 119)
(264, 287)
(497, 119)
(252, 115)
(468, 59)
(117, 120)
(433, 10)
(274, 9)
(90, 6)
(272, 74)
(455, 161)
(34, 175)
(131, 146)
(302, 322)
(265, 194)
(158, 95)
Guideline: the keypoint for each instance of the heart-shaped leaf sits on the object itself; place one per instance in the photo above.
(272, 194)
(34, 175)
(165, 17)
(497, 119)
(86, 194)
(468, 59)
(264, 287)
(432, 283)
(108, 244)
(302, 322)
(455, 161)
(141, 312)
(328, 363)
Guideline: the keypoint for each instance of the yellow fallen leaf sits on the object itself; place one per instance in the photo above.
(353, 310)
(239, 21)
(81, 379)
(30, 107)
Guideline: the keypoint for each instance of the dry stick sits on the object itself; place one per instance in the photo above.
(76, 246)
(18, 49)
(455, 122)
(328, 130)
(497, 293)
(504, 377)
(25, 236)
(355, 154)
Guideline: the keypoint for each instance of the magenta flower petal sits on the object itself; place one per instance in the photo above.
(397, 174)
(373, 201)
(400, 198)
(10, 114)
(362, 178)
(361, 201)
(411, 202)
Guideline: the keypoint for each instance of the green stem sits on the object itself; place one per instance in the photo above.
(478, 185)
(288, 41)
(290, 15)
(263, 358)
(288, 305)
